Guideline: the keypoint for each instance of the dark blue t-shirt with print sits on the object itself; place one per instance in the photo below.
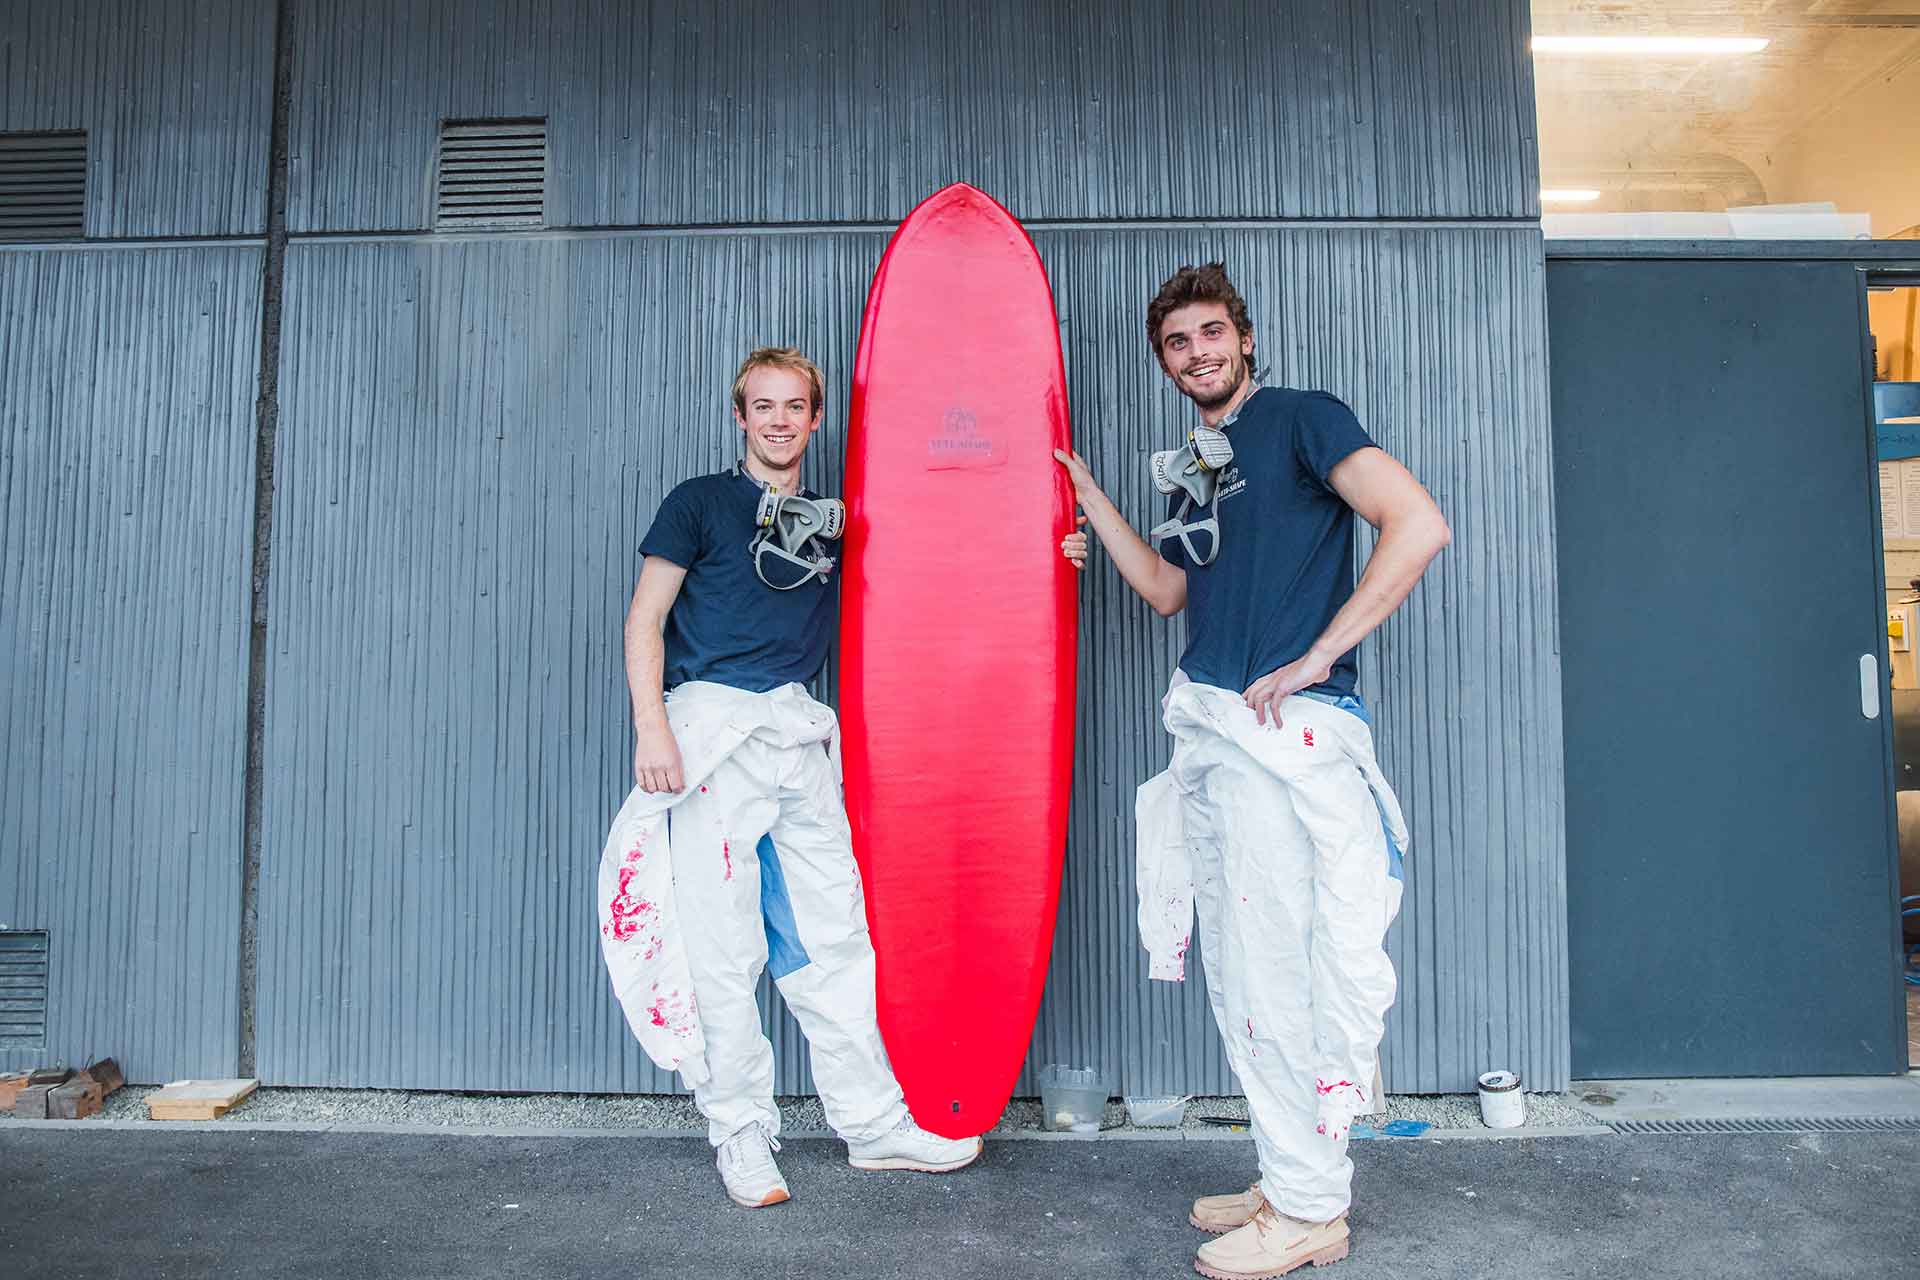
(726, 625)
(1285, 564)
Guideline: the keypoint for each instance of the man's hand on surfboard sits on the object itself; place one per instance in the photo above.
(656, 758)
(1079, 472)
(1074, 545)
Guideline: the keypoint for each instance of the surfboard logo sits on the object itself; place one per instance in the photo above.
(959, 443)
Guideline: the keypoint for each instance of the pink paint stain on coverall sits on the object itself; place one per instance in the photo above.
(627, 910)
(673, 1012)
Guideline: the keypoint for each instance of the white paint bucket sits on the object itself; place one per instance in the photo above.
(1502, 1105)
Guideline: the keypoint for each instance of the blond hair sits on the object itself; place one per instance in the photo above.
(788, 358)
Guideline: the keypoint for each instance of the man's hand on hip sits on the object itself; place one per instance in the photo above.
(656, 757)
(1267, 693)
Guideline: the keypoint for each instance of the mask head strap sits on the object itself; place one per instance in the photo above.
(1200, 539)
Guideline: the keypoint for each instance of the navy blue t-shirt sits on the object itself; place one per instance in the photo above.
(726, 625)
(1285, 564)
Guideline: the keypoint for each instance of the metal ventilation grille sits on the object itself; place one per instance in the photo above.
(1779, 1124)
(43, 186)
(493, 174)
(23, 990)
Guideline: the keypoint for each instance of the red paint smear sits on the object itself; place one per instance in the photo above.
(672, 1011)
(726, 855)
(625, 911)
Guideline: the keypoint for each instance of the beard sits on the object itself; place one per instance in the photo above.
(1213, 400)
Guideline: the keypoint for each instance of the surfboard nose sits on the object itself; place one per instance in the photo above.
(964, 195)
(960, 202)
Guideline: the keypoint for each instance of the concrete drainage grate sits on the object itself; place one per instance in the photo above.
(1778, 1124)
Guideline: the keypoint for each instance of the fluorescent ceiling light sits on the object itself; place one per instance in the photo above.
(1645, 45)
(1568, 195)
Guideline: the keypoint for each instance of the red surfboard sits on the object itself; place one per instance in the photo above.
(958, 631)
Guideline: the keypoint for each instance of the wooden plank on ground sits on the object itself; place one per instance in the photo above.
(10, 1087)
(77, 1099)
(107, 1073)
(198, 1099)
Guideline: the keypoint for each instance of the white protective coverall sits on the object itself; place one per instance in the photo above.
(1288, 842)
(750, 864)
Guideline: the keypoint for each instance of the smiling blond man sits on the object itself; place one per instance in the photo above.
(735, 609)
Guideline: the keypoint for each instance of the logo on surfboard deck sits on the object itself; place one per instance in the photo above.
(959, 443)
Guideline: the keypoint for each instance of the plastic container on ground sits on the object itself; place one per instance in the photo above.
(1502, 1105)
(1157, 1113)
(1072, 1099)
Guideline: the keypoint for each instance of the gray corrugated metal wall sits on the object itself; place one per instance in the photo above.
(126, 461)
(175, 96)
(474, 437)
(127, 385)
(682, 112)
(474, 432)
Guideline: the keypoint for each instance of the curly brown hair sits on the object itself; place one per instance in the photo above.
(1192, 284)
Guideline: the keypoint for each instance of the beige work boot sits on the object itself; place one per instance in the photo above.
(1223, 1213)
(1271, 1244)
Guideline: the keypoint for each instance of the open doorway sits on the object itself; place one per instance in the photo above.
(1893, 317)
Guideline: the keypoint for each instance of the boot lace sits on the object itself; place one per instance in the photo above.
(741, 1148)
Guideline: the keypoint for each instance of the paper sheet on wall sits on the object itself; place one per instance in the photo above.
(1900, 498)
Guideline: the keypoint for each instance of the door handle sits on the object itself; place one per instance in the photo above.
(1869, 686)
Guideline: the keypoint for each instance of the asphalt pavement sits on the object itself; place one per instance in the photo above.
(179, 1202)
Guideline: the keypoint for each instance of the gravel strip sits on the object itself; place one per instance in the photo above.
(676, 1111)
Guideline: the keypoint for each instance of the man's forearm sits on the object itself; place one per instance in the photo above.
(646, 651)
(1138, 563)
(1405, 549)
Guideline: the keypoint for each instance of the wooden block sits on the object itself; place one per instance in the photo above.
(49, 1075)
(198, 1099)
(32, 1102)
(107, 1073)
(77, 1099)
(10, 1087)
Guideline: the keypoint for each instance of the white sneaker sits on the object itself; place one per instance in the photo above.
(746, 1166)
(908, 1146)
